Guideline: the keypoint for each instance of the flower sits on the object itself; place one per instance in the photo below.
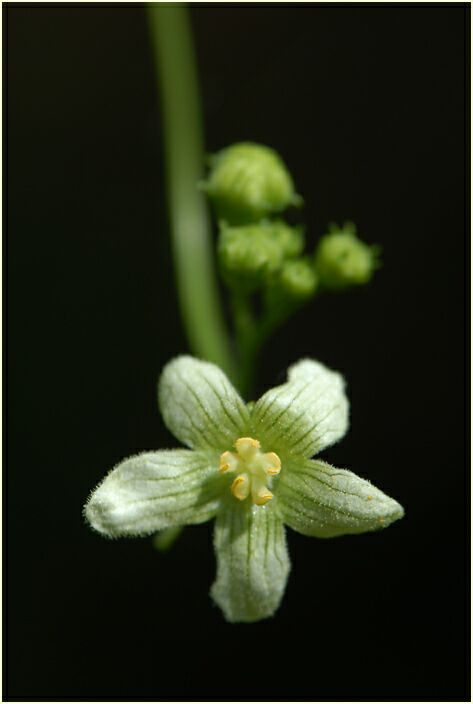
(249, 467)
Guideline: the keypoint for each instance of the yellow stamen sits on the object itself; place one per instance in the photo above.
(241, 487)
(263, 497)
(225, 460)
(242, 442)
(274, 464)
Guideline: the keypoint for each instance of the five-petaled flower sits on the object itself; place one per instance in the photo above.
(249, 467)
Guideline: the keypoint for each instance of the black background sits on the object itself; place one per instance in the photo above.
(367, 106)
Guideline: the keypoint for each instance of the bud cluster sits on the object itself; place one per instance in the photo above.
(249, 187)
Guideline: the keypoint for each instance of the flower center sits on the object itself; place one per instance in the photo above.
(253, 469)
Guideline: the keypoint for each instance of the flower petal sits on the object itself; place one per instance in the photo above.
(156, 490)
(199, 404)
(306, 414)
(252, 561)
(319, 500)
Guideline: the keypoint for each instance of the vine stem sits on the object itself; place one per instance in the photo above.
(192, 248)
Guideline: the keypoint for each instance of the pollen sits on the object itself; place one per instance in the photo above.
(254, 469)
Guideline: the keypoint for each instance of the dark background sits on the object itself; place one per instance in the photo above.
(367, 106)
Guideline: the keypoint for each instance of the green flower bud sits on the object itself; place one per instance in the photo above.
(298, 279)
(249, 181)
(250, 253)
(341, 259)
(290, 239)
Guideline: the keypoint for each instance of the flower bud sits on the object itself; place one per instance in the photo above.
(298, 279)
(341, 259)
(248, 254)
(290, 239)
(248, 182)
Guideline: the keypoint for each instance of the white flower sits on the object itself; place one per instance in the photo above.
(249, 467)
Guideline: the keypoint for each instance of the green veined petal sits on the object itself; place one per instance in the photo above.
(199, 404)
(304, 415)
(252, 561)
(156, 490)
(322, 501)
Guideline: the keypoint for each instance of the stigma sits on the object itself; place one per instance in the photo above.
(253, 469)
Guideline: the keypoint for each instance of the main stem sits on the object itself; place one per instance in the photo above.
(183, 143)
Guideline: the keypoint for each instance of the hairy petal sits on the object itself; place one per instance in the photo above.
(322, 501)
(304, 415)
(252, 561)
(155, 490)
(199, 404)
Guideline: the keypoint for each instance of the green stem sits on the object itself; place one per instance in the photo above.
(247, 332)
(165, 539)
(183, 142)
(251, 335)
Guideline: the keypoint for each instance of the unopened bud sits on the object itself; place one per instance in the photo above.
(248, 254)
(341, 259)
(298, 279)
(248, 182)
(290, 239)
